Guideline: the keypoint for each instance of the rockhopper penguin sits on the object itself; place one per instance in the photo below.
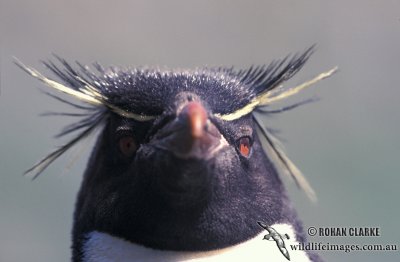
(178, 172)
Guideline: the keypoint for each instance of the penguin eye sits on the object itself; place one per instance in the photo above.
(244, 146)
(127, 145)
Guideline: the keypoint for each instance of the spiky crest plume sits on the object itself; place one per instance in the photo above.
(142, 94)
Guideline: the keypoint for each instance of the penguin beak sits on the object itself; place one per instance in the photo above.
(196, 117)
(191, 134)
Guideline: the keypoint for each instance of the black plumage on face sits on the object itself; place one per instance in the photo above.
(179, 163)
(166, 198)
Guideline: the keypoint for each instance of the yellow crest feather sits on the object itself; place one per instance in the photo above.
(273, 96)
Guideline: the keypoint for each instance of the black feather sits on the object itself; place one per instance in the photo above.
(89, 108)
(263, 109)
(150, 91)
(39, 167)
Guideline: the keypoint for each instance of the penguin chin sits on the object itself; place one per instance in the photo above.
(178, 183)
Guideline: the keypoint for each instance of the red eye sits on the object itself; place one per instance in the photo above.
(245, 146)
(127, 146)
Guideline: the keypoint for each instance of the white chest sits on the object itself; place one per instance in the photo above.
(101, 247)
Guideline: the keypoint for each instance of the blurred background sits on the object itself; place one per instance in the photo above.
(347, 144)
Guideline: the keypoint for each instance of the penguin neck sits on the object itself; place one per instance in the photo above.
(219, 224)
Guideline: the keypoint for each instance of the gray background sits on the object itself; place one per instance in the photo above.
(347, 144)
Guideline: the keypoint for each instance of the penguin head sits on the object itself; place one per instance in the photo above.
(179, 162)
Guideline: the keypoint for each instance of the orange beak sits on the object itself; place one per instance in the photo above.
(196, 117)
